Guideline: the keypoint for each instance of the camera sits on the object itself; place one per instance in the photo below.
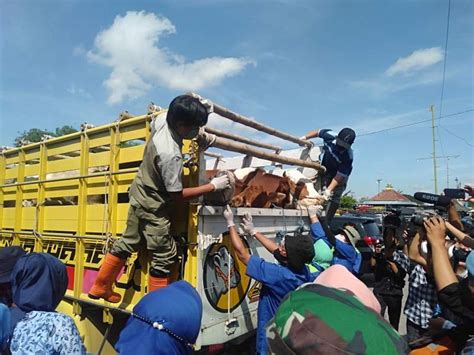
(458, 255)
(418, 220)
(379, 244)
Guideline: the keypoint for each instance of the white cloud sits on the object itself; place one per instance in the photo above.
(131, 48)
(419, 59)
(73, 90)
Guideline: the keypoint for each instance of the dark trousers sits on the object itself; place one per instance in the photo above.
(414, 331)
(394, 305)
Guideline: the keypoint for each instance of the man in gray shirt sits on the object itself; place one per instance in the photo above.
(157, 184)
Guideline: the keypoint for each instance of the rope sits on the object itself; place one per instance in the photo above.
(35, 232)
(228, 285)
(102, 344)
(107, 178)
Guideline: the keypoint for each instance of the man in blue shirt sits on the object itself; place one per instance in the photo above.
(345, 252)
(337, 158)
(277, 279)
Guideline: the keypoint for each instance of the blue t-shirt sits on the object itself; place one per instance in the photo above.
(345, 254)
(277, 281)
(336, 159)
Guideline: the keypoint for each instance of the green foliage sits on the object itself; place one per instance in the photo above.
(62, 131)
(34, 135)
(348, 201)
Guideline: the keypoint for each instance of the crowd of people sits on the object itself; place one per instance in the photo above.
(311, 300)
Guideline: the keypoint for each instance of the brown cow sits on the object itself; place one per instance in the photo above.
(265, 190)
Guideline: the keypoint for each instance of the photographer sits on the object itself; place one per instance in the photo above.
(390, 266)
(457, 297)
(422, 298)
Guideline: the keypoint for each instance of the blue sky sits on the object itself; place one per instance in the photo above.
(295, 65)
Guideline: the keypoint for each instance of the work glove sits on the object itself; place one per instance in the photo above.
(314, 210)
(247, 225)
(327, 194)
(311, 144)
(229, 216)
(221, 182)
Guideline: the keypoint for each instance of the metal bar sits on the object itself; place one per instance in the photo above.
(245, 149)
(213, 155)
(97, 304)
(50, 235)
(2, 181)
(222, 111)
(40, 208)
(241, 139)
(124, 171)
(112, 198)
(81, 222)
(19, 191)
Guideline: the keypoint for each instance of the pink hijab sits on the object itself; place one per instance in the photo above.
(337, 276)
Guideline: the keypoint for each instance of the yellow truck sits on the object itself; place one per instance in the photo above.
(68, 196)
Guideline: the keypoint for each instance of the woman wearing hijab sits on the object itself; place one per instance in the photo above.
(39, 282)
(165, 321)
(5, 321)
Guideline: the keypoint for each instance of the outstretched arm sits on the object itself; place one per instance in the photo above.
(239, 247)
(443, 272)
(217, 184)
(249, 228)
(311, 134)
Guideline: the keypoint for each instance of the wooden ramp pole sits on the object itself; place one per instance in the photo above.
(241, 139)
(222, 111)
(226, 144)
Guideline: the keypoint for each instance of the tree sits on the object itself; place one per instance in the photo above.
(34, 135)
(348, 201)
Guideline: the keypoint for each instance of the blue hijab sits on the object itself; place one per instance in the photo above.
(39, 282)
(5, 332)
(165, 321)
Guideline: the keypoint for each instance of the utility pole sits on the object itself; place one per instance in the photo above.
(447, 157)
(434, 148)
(378, 183)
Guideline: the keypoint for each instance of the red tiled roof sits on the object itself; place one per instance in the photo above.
(389, 195)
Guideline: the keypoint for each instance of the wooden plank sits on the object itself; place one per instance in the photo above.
(8, 220)
(60, 218)
(63, 147)
(99, 159)
(63, 165)
(131, 154)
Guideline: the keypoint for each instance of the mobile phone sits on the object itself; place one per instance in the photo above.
(455, 193)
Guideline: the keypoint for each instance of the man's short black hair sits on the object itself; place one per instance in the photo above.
(187, 110)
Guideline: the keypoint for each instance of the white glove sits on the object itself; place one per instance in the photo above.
(229, 216)
(327, 194)
(314, 210)
(221, 183)
(310, 144)
(247, 225)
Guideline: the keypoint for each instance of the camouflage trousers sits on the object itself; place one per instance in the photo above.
(152, 230)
